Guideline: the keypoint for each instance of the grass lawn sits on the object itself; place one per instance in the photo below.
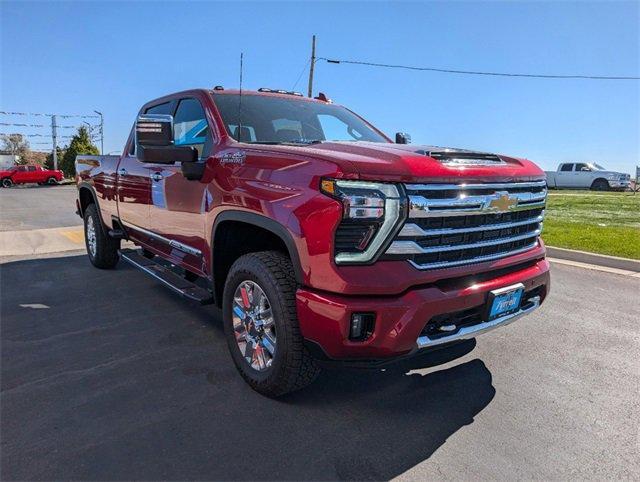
(599, 222)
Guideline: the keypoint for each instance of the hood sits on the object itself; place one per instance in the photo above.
(415, 163)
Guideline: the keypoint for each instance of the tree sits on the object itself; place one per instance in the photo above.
(80, 145)
(48, 163)
(16, 145)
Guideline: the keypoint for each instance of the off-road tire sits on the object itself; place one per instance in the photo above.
(293, 367)
(106, 252)
(7, 182)
(600, 185)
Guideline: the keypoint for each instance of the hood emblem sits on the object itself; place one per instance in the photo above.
(500, 201)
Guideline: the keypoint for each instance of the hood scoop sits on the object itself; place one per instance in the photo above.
(462, 158)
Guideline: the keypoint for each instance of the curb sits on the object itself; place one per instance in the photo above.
(625, 264)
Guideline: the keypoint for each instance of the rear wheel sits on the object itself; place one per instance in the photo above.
(102, 249)
(600, 185)
(6, 182)
(261, 324)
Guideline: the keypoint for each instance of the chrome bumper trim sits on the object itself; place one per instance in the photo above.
(472, 331)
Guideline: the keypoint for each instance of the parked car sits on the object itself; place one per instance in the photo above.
(321, 239)
(30, 174)
(583, 175)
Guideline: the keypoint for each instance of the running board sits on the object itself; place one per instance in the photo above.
(167, 277)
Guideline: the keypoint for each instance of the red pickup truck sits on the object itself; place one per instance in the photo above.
(30, 174)
(321, 239)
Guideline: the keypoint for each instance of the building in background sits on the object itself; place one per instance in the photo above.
(8, 160)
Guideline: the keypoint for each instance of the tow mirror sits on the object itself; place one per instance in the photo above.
(154, 137)
(403, 138)
(154, 130)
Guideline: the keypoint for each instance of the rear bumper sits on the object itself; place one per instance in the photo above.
(400, 320)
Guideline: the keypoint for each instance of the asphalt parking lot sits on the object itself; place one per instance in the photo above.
(107, 375)
(30, 207)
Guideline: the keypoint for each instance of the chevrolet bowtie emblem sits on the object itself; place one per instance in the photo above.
(500, 201)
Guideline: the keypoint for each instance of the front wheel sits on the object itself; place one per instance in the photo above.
(261, 324)
(600, 185)
(52, 181)
(6, 182)
(102, 250)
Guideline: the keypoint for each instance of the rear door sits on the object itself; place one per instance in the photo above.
(134, 186)
(20, 175)
(178, 204)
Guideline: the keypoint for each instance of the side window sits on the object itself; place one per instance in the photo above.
(566, 167)
(582, 166)
(31, 168)
(22, 169)
(190, 127)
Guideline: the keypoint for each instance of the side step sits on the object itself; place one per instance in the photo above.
(117, 234)
(167, 277)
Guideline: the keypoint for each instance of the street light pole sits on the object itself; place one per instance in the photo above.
(101, 132)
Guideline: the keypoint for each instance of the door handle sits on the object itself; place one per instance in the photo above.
(122, 172)
(156, 176)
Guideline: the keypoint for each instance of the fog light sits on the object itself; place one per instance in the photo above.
(362, 325)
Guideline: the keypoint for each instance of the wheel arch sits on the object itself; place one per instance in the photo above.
(270, 234)
(86, 196)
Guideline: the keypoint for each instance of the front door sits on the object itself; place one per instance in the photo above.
(178, 205)
(134, 194)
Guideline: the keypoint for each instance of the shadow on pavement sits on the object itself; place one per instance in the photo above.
(107, 375)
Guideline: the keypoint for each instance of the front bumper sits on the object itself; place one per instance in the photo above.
(617, 184)
(401, 320)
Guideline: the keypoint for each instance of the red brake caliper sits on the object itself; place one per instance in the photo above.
(245, 297)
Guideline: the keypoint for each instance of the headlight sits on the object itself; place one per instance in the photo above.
(612, 177)
(371, 213)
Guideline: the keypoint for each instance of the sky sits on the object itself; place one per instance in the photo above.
(77, 57)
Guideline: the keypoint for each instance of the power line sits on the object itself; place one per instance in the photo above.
(474, 72)
(62, 116)
(43, 125)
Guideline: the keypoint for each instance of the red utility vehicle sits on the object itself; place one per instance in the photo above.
(30, 174)
(320, 238)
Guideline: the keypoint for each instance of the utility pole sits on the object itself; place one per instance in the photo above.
(101, 132)
(311, 67)
(54, 136)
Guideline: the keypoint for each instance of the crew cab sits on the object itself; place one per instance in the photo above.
(587, 175)
(30, 174)
(321, 239)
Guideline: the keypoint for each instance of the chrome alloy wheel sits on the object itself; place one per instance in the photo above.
(92, 242)
(253, 325)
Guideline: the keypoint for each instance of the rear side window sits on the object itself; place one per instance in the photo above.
(566, 167)
(190, 127)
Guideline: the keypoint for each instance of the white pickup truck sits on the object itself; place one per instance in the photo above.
(587, 175)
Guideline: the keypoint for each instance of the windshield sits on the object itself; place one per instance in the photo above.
(596, 167)
(278, 120)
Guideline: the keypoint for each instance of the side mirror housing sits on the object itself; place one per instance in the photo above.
(403, 138)
(154, 130)
(154, 138)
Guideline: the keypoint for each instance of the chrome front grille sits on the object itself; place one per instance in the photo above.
(459, 224)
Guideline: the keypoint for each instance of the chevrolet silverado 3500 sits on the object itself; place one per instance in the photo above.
(320, 238)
